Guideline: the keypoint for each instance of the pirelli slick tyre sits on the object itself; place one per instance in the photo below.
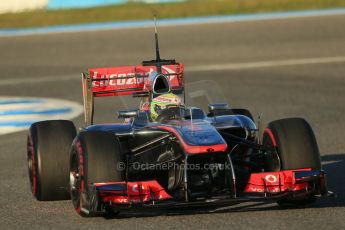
(297, 148)
(94, 158)
(48, 147)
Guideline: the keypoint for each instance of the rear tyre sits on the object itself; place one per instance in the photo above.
(48, 147)
(297, 148)
(94, 158)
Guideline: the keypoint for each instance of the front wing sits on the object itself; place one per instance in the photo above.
(267, 186)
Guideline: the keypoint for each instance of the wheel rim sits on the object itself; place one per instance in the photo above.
(31, 166)
(75, 179)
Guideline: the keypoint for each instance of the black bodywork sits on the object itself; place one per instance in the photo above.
(148, 143)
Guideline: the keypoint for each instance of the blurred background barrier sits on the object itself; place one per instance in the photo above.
(43, 13)
(21, 5)
(10, 6)
(67, 4)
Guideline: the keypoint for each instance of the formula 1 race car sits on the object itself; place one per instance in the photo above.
(181, 156)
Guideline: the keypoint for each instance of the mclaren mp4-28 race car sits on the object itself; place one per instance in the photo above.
(165, 154)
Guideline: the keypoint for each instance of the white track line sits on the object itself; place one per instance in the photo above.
(266, 64)
(202, 68)
(35, 80)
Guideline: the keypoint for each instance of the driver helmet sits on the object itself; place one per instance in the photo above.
(162, 102)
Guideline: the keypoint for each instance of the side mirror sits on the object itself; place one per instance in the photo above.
(219, 109)
(220, 106)
(123, 114)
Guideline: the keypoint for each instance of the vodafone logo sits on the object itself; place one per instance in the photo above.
(260, 190)
(121, 200)
(135, 188)
(271, 178)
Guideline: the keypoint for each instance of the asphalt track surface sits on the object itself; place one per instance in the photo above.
(49, 66)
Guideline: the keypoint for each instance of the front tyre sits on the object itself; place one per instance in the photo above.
(94, 158)
(297, 148)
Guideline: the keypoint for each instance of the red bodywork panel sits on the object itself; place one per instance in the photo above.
(274, 182)
(124, 80)
(136, 192)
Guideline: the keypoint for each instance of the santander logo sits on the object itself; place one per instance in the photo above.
(127, 79)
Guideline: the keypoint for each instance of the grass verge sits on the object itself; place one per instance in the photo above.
(139, 11)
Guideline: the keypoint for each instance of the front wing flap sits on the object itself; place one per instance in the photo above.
(287, 180)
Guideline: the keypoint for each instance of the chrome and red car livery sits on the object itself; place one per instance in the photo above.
(185, 157)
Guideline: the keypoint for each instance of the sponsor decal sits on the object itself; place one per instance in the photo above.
(127, 79)
(135, 188)
(18, 113)
(271, 178)
(261, 189)
(119, 79)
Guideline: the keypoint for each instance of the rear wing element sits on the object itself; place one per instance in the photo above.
(123, 80)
